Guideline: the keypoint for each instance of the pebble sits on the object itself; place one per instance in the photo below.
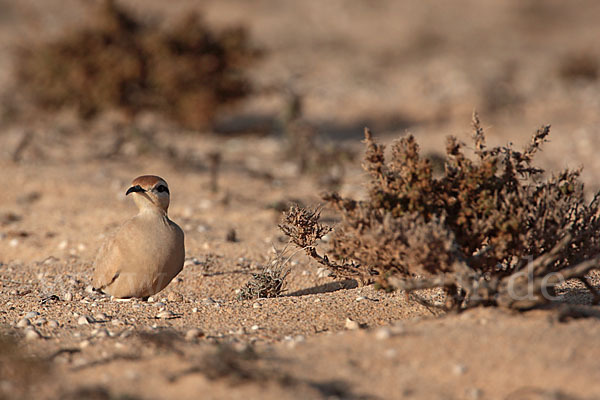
(387, 332)
(31, 314)
(52, 324)
(193, 333)
(151, 299)
(360, 298)
(100, 317)
(117, 322)
(175, 297)
(89, 289)
(63, 245)
(390, 353)
(68, 296)
(351, 324)
(254, 327)
(32, 334)
(165, 314)
(383, 333)
(84, 320)
(160, 304)
(84, 343)
(13, 243)
(191, 262)
(24, 322)
(195, 309)
(459, 369)
(40, 321)
(474, 393)
(256, 305)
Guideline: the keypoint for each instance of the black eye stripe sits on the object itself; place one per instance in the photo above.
(162, 188)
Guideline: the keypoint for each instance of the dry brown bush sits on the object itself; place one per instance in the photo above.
(119, 62)
(269, 282)
(489, 231)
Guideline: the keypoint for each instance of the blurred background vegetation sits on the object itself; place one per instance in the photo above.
(309, 71)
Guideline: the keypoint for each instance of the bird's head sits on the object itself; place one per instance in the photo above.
(150, 192)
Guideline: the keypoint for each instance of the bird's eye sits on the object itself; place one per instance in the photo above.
(162, 188)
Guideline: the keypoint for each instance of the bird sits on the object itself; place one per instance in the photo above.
(147, 251)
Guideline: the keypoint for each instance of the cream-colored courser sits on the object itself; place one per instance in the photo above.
(147, 252)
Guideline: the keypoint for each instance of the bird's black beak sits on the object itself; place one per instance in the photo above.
(136, 188)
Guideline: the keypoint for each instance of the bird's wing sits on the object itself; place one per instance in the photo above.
(106, 266)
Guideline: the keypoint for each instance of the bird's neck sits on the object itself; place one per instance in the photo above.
(152, 210)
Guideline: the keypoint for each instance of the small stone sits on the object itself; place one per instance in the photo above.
(459, 369)
(151, 299)
(31, 314)
(209, 301)
(351, 324)
(256, 305)
(100, 317)
(89, 289)
(63, 245)
(13, 243)
(159, 304)
(390, 353)
(117, 322)
(175, 297)
(23, 323)
(474, 393)
(100, 333)
(195, 309)
(254, 327)
(84, 320)
(68, 296)
(193, 334)
(32, 334)
(360, 298)
(52, 324)
(84, 343)
(383, 333)
(190, 262)
(165, 314)
(81, 247)
(126, 334)
(317, 300)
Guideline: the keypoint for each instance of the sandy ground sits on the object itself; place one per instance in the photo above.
(396, 66)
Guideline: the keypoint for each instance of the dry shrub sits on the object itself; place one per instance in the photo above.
(488, 231)
(269, 282)
(119, 62)
(579, 66)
